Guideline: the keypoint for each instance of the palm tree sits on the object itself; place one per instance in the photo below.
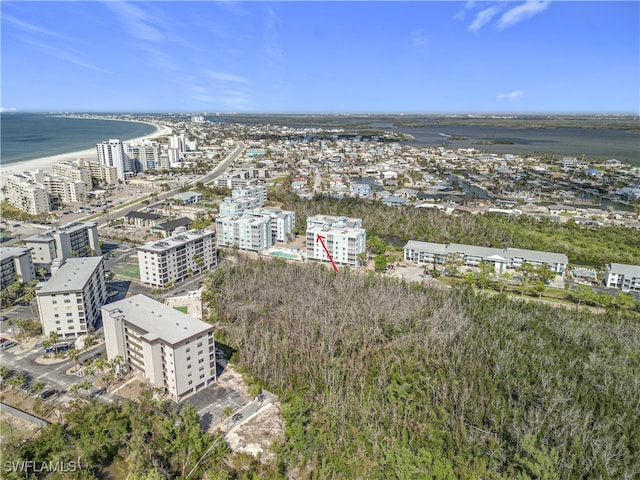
(38, 387)
(43, 273)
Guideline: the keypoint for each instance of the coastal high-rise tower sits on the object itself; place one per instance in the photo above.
(112, 154)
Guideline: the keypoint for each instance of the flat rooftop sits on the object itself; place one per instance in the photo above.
(157, 320)
(72, 276)
(174, 241)
(12, 252)
(68, 228)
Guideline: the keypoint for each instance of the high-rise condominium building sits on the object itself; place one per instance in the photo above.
(29, 196)
(173, 351)
(15, 263)
(343, 237)
(112, 154)
(69, 302)
(75, 239)
(74, 172)
(176, 258)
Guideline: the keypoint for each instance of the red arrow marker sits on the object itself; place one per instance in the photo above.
(320, 238)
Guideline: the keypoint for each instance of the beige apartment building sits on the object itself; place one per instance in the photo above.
(24, 193)
(74, 172)
(173, 351)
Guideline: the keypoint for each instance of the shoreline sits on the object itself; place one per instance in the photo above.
(44, 163)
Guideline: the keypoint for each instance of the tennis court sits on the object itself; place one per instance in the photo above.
(132, 271)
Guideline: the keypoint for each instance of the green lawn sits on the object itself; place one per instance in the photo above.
(132, 271)
(182, 308)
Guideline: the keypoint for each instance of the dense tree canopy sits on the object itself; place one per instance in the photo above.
(588, 245)
(384, 379)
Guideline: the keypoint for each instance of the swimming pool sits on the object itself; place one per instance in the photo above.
(290, 256)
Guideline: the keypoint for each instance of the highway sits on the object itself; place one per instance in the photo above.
(205, 179)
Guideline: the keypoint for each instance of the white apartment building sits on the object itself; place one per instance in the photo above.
(344, 238)
(256, 191)
(75, 239)
(112, 154)
(502, 259)
(246, 233)
(15, 262)
(622, 276)
(282, 222)
(24, 193)
(69, 303)
(237, 206)
(176, 258)
(173, 351)
(74, 172)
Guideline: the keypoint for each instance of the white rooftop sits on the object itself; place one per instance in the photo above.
(12, 252)
(158, 320)
(72, 276)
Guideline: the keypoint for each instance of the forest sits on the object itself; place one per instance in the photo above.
(379, 378)
(583, 245)
(384, 379)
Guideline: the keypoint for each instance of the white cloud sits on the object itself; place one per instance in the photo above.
(510, 97)
(62, 54)
(274, 52)
(227, 77)
(522, 12)
(482, 18)
(142, 24)
(31, 28)
(418, 38)
(7, 109)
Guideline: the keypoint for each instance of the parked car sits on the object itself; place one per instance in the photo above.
(49, 393)
(57, 348)
(6, 344)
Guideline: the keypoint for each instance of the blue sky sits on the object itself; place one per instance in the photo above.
(305, 57)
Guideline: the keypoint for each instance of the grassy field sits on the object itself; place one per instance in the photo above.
(182, 308)
(132, 271)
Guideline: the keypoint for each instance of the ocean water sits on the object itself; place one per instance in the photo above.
(25, 136)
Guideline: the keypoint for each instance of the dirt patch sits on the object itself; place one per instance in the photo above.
(256, 435)
(46, 409)
(232, 380)
(13, 429)
(131, 388)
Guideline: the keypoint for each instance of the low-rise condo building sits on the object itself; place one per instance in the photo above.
(502, 259)
(622, 276)
(343, 237)
(69, 302)
(173, 351)
(15, 264)
(177, 258)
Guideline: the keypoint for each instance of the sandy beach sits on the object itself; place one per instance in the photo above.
(44, 163)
